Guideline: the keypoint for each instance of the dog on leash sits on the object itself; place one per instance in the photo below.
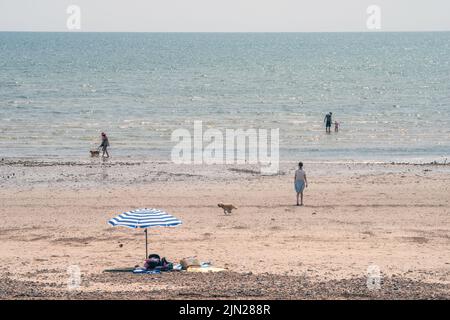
(227, 208)
(95, 153)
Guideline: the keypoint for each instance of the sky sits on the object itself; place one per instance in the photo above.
(224, 15)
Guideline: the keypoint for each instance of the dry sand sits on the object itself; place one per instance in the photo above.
(394, 216)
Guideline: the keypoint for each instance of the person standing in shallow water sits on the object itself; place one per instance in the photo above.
(300, 182)
(336, 126)
(104, 145)
(328, 122)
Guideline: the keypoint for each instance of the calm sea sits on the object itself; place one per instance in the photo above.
(389, 91)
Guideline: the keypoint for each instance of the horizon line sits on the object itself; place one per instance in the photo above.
(277, 32)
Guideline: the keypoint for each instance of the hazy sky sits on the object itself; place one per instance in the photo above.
(224, 15)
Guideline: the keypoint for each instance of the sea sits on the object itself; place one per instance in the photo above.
(390, 92)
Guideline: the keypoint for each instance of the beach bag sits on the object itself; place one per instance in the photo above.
(165, 265)
(152, 262)
(189, 262)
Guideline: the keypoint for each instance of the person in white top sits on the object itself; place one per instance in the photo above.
(300, 182)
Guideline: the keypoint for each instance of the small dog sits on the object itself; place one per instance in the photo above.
(227, 208)
(95, 153)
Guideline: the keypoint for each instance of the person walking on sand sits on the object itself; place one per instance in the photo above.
(104, 145)
(328, 122)
(300, 182)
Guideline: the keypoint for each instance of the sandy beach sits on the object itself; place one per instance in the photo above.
(393, 216)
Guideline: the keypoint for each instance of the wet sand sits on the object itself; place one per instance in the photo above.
(392, 216)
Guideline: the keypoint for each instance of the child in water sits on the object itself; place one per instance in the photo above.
(104, 145)
(336, 126)
(300, 182)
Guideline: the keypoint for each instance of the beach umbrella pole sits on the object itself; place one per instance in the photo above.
(146, 244)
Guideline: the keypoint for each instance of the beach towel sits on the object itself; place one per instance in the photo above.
(145, 271)
(119, 270)
(205, 269)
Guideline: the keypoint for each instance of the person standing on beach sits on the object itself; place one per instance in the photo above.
(328, 122)
(336, 126)
(104, 145)
(300, 182)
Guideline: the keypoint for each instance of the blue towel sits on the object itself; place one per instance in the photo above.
(142, 270)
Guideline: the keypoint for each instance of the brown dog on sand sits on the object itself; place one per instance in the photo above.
(227, 208)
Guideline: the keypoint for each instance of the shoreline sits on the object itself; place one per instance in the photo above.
(42, 161)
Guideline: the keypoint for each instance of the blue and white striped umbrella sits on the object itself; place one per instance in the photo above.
(144, 218)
